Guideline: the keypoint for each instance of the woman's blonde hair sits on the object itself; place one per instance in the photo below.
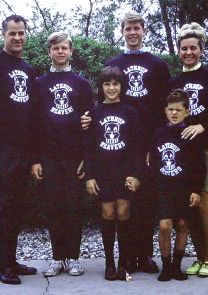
(193, 30)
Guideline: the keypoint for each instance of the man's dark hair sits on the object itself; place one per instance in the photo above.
(107, 74)
(16, 18)
(178, 95)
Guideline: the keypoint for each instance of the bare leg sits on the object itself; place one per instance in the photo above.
(123, 230)
(108, 235)
(122, 209)
(165, 228)
(181, 227)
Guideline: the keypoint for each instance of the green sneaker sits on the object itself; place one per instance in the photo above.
(204, 269)
(194, 269)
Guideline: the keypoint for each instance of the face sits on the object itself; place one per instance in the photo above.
(111, 91)
(133, 34)
(60, 53)
(14, 38)
(176, 113)
(190, 52)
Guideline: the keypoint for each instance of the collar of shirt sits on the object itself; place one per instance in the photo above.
(128, 51)
(192, 69)
(68, 69)
(182, 124)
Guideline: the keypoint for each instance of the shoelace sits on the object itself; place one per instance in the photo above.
(9, 273)
(75, 264)
(205, 265)
(195, 262)
(53, 263)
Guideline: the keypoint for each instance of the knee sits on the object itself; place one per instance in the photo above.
(165, 228)
(108, 214)
(123, 213)
(182, 227)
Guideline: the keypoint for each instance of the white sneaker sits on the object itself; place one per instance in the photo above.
(54, 269)
(73, 268)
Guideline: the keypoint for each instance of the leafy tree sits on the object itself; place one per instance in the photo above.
(99, 22)
(35, 52)
(192, 11)
(89, 57)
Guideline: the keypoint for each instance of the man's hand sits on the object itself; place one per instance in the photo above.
(92, 187)
(85, 121)
(194, 200)
(132, 183)
(36, 171)
(192, 131)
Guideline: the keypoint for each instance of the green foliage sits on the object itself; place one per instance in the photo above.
(89, 57)
(35, 53)
(173, 62)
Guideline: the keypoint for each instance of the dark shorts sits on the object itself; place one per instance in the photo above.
(173, 204)
(111, 181)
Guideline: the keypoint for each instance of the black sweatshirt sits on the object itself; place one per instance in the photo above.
(146, 80)
(196, 84)
(115, 135)
(63, 98)
(177, 161)
(16, 95)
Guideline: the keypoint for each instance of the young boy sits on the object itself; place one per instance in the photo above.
(113, 160)
(180, 169)
(62, 97)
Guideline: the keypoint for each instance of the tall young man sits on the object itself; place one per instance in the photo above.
(16, 79)
(62, 97)
(145, 88)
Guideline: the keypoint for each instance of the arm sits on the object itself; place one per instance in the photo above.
(37, 131)
(196, 168)
(36, 171)
(159, 92)
(138, 148)
(194, 200)
(89, 152)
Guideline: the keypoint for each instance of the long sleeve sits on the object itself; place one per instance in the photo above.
(138, 147)
(197, 167)
(89, 152)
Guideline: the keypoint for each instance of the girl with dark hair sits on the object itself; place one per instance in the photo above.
(113, 161)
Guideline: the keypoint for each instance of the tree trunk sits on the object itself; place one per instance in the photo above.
(162, 4)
